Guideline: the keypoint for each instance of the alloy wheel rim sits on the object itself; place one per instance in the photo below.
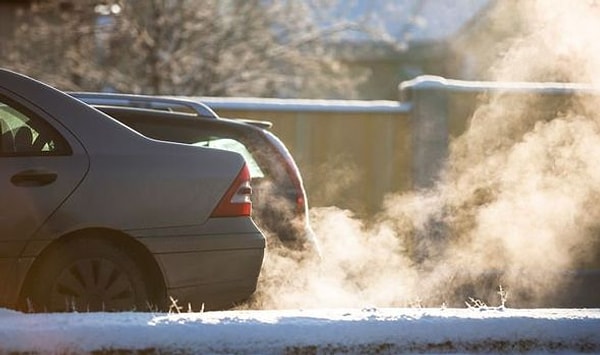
(93, 285)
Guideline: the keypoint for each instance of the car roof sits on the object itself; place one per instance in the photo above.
(162, 103)
(133, 117)
(171, 117)
(146, 101)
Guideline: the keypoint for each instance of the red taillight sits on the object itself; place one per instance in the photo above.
(300, 201)
(236, 201)
(294, 175)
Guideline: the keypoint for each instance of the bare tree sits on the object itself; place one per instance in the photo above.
(186, 47)
(55, 42)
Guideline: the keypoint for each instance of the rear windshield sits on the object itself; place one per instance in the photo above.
(233, 145)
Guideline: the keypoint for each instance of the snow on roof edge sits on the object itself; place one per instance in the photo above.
(428, 82)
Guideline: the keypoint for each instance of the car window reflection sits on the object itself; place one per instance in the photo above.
(234, 146)
(23, 134)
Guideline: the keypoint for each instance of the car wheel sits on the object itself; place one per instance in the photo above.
(89, 274)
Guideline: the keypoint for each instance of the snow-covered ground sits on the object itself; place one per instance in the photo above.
(369, 330)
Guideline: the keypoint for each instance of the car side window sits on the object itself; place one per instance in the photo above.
(233, 145)
(24, 134)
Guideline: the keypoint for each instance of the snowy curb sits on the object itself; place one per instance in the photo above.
(386, 330)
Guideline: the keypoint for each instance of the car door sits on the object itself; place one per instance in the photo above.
(40, 165)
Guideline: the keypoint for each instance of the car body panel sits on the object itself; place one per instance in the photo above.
(202, 270)
(31, 206)
(25, 208)
(154, 192)
(115, 179)
(27, 204)
(30, 203)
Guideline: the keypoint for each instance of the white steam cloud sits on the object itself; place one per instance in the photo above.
(516, 206)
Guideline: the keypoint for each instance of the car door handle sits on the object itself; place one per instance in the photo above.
(34, 177)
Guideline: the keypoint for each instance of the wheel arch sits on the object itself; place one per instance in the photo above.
(154, 277)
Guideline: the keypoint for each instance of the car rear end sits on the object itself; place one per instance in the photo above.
(215, 264)
(279, 197)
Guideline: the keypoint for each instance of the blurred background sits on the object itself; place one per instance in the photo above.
(278, 49)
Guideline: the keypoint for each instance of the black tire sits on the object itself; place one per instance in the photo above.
(89, 274)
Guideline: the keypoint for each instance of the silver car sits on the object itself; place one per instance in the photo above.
(95, 216)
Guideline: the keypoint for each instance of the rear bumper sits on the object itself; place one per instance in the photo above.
(211, 266)
(211, 279)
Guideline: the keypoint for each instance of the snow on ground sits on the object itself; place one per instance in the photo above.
(369, 330)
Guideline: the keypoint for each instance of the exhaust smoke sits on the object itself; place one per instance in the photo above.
(516, 206)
